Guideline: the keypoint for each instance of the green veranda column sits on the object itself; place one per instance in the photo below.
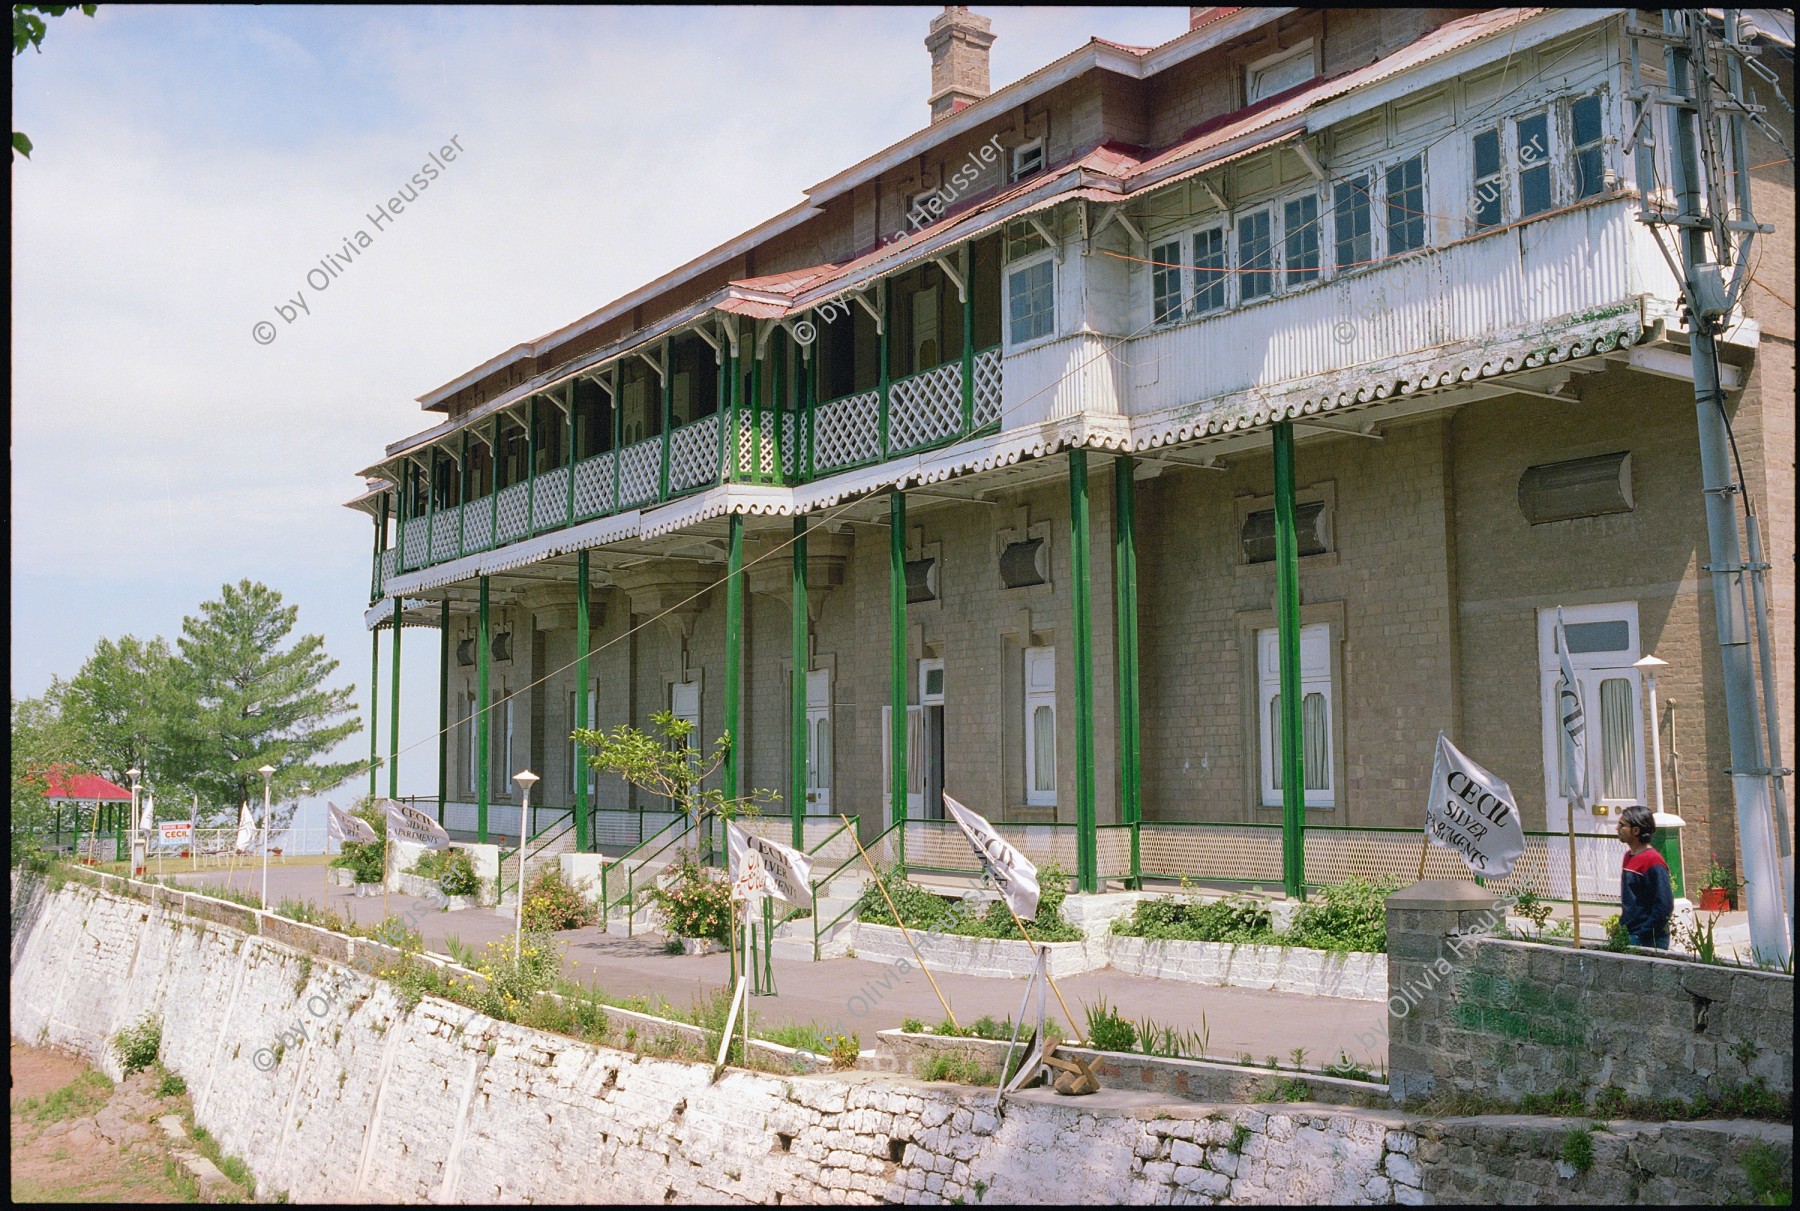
(1087, 849)
(443, 736)
(1126, 639)
(897, 666)
(1287, 620)
(582, 644)
(734, 629)
(374, 711)
(482, 643)
(394, 714)
(799, 729)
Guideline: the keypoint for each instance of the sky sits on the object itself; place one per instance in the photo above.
(192, 164)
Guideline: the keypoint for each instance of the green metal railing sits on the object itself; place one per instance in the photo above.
(633, 861)
(539, 841)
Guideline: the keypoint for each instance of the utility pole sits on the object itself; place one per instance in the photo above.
(1693, 107)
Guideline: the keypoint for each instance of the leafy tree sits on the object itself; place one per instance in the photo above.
(256, 702)
(122, 705)
(29, 29)
(40, 739)
(669, 766)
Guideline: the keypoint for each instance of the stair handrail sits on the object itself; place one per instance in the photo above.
(819, 928)
(831, 836)
(680, 827)
(566, 819)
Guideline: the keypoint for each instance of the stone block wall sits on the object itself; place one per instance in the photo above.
(1474, 1014)
(376, 1103)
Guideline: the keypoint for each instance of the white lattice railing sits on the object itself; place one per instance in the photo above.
(615, 827)
(512, 522)
(1245, 852)
(925, 408)
(444, 525)
(478, 524)
(594, 485)
(412, 542)
(790, 442)
(640, 472)
(847, 431)
(550, 500)
(941, 845)
(694, 454)
(987, 387)
(756, 457)
(384, 571)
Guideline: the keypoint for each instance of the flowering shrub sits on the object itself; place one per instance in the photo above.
(552, 904)
(513, 986)
(694, 902)
(458, 877)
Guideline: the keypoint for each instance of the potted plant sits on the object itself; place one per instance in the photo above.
(1718, 887)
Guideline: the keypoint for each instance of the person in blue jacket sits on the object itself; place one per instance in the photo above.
(1646, 899)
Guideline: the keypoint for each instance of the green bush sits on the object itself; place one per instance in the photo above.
(1107, 1031)
(137, 1046)
(366, 858)
(171, 1086)
(457, 876)
(512, 985)
(1578, 1149)
(552, 904)
(1346, 916)
(695, 902)
(923, 911)
(957, 1069)
(1235, 919)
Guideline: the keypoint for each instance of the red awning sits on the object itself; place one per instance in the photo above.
(66, 784)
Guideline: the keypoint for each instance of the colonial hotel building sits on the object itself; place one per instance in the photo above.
(1338, 327)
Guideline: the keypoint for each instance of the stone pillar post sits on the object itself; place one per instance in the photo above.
(1425, 926)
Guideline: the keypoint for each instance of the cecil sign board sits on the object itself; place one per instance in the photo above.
(1472, 812)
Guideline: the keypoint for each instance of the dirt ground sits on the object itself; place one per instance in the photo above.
(77, 1137)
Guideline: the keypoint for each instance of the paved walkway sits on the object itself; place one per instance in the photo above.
(851, 994)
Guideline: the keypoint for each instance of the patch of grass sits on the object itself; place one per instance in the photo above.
(79, 1098)
(302, 976)
(1240, 1135)
(1771, 1181)
(956, 1069)
(171, 1085)
(912, 1026)
(1347, 1069)
(1279, 1089)
(1578, 1149)
(221, 891)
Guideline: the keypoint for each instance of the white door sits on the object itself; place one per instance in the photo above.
(915, 797)
(1603, 645)
(818, 743)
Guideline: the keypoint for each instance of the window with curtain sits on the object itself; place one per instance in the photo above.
(1618, 740)
(1040, 726)
(1316, 704)
(1165, 281)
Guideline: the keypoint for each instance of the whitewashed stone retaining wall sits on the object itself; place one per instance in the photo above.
(378, 1104)
(1361, 977)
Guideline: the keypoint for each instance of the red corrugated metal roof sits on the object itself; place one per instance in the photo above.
(65, 784)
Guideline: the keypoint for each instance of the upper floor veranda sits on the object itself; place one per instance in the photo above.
(1463, 207)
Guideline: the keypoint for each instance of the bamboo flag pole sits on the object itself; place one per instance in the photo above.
(876, 875)
(1574, 892)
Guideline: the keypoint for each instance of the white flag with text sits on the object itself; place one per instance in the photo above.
(414, 827)
(1473, 812)
(1572, 737)
(1013, 873)
(340, 825)
(760, 866)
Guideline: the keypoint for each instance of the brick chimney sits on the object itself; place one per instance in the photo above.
(958, 42)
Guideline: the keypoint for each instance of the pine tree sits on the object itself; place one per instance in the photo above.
(257, 703)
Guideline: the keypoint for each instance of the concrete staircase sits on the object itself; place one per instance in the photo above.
(795, 939)
(536, 859)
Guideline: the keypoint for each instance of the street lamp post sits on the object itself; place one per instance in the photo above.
(526, 779)
(267, 771)
(135, 774)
